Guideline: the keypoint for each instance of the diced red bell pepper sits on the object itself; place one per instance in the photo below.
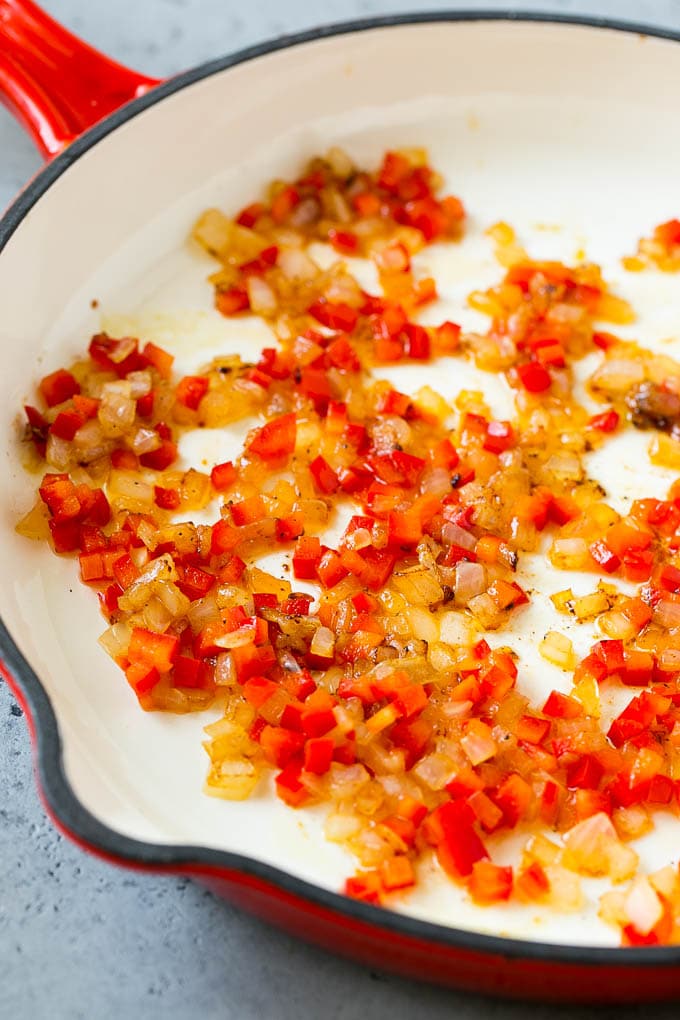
(289, 787)
(191, 390)
(397, 873)
(317, 716)
(604, 556)
(330, 569)
(490, 883)
(58, 387)
(66, 424)
(325, 478)
(584, 773)
(159, 650)
(606, 421)
(561, 706)
(248, 511)
(280, 744)
(195, 583)
(142, 677)
(344, 241)
(457, 843)
(534, 377)
(500, 436)
(224, 538)
(159, 358)
(334, 314)
(193, 673)
(639, 668)
(232, 300)
(306, 558)
(513, 797)
(257, 690)
(223, 476)
(318, 755)
(283, 203)
(276, 439)
(161, 458)
(531, 729)
(166, 499)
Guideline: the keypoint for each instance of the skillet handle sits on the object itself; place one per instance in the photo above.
(55, 84)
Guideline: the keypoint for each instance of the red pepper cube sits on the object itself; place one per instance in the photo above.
(499, 436)
(288, 785)
(458, 845)
(417, 342)
(91, 567)
(669, 578)
(325, 479)
(249, 511)
(334, 314)
(604, 556)
(513, 797)
(411, 700)
(318, 755)
(639, 668)
(159, 650)
(223, 538)
(166, 499)
(142, 677)
(191, 390)
(249, 216)
(66, 424)
(606, 421)
(159, 359)
(192, 673)
(86, 407)
(585, 773)
(252, 660)
(448, 337)
(330, 569)
(306, 558)
(344, 241)
(232, 300)
(275, 440)
(548, 352)
(366, 886)
(65, 535)
(611, 654)
(397, 873)
(531, 729)
(162, 458)
(490, 883)
(317, 716)
(124, 460)
(283, 203)
(289, 527)
(258, 689)
(296, 605)
(561, 706)
(280, 745)
(58, 387)
(125, 571)
(195, 583)
(534, 377)
(223, 476)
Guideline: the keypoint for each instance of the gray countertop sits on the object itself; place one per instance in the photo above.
(80, 938)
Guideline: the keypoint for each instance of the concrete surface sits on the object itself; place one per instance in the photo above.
(82, 939)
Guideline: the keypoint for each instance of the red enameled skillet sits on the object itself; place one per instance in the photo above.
(133, 160)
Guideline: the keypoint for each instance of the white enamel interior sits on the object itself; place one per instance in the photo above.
(569, 133)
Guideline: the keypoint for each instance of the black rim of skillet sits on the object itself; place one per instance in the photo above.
(55, 786)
